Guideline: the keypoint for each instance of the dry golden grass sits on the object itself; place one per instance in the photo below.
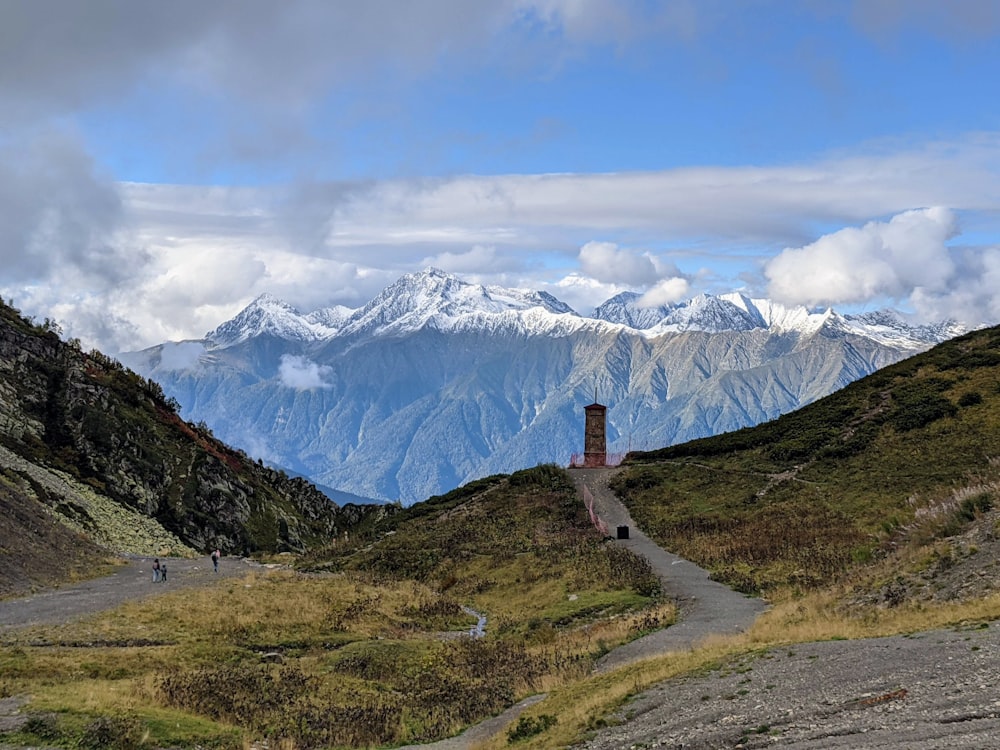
(822, 616)
(114, 663)
(277, 605)
(818, 616)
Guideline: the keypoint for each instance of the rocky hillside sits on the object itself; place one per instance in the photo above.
(105, 452)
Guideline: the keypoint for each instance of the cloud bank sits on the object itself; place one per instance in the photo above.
(257, 93)
(302, 374)
(154, 263)
(881, 259)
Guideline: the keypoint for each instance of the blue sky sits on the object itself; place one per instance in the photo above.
(163, 164)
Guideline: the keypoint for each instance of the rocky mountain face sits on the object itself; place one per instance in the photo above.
(106, 452)
(437, 381)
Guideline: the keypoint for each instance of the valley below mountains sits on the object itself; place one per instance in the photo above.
(437, 381)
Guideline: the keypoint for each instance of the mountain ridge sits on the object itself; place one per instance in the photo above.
(437, 381)
(409, 303)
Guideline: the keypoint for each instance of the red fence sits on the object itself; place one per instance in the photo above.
(578, 461)
(595, 519)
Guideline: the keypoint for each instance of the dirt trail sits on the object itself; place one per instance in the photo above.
(130, 582)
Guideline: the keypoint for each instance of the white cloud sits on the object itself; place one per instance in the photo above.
(180, 356)
(727, 204)
(162, 262)
(971, 294)
(478, 259)
(881, 259)
(666, 292)
(58, 214)
(582, 293)
(302, 374)
(607, 262)
(618, 22)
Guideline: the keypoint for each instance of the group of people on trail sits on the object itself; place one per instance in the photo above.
(160, 568)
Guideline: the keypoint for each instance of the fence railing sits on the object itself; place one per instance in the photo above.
(595, 519)
(579, 460)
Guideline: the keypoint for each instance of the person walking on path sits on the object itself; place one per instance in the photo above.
(163, 572)
(156, 569)
(215, 560)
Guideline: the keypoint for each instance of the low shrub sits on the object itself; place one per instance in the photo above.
(529, 726)
(112, 733)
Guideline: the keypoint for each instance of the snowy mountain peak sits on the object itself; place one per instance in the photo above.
(702, 313)
(889, 326)
(625, 310)
(433, 296)
(267, 316)
(709, 314)
(331, 317)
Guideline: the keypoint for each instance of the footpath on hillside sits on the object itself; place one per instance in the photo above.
(130, 582)
(705, 607)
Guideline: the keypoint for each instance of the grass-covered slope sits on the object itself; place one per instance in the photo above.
(519, 547)
(78, 429)
(901, 457)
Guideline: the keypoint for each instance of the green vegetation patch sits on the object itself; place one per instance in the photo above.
(515, 548)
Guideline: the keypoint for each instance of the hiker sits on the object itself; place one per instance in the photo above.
(163, 572)
(156, 569)
(215, 560)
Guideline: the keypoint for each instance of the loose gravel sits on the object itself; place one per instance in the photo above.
(132, 581)
(931, 691)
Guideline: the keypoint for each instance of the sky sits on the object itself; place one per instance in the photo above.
(162, 164)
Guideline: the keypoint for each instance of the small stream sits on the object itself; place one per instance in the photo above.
(479, 629)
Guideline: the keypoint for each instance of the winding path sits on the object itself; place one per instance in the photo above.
(705, 607)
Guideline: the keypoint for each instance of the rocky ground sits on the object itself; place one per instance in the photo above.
(932, 690)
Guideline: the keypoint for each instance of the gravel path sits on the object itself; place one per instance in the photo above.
(705, 606)
(130, 582)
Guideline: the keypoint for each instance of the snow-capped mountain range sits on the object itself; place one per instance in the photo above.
(437, 381)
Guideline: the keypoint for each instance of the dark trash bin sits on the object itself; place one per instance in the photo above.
(623, 532)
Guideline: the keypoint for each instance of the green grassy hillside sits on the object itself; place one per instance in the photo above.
(519, 547)
(905, 456)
